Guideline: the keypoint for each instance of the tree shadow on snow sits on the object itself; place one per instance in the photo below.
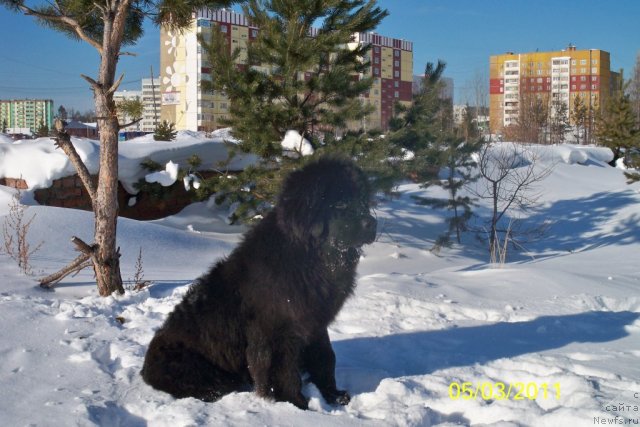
(575, 225)
(586, 223)
(364, 362)
(112, 415)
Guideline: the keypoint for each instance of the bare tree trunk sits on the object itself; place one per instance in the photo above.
(107, 262)
(104, 254)
(105, 207)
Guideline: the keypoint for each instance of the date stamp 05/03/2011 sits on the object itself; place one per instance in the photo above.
(488, 390)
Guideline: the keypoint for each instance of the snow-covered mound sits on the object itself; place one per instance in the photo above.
(39, 162)
(5, 139)
(550, 339)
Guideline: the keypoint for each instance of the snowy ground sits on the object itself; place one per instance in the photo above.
(561, 321)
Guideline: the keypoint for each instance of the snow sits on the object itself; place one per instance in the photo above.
(167, 177)
(565, 314)
(39, 162)
(5, 139)
(293, 141)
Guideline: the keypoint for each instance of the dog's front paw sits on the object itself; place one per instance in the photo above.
(337, 397)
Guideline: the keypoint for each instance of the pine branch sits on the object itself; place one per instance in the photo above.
(62, 18)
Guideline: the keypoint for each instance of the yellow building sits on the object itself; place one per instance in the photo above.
(183, 65)
(561, 75)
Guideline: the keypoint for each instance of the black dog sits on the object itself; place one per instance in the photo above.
(260, 317)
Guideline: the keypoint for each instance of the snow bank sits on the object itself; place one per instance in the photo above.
(5, 139)
(39, 162)
(567, 318)
(574, 154)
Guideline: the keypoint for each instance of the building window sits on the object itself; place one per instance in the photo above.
(594, 70)
(573, 87)
(396, 84)
(583, 62)
(594, 61)
(376, 49)
(396, 73)
(396, 53)
(594, 87)
(583, 78)
(254, 33)
(396, 94)
(223, 28)
(396, 63)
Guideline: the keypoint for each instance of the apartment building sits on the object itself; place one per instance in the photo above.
(184, 65)
(123, 118)
(149, 94)
(557, 76)
(23, 114)
(151, 100)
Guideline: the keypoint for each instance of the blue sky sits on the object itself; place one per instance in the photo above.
(36, 62)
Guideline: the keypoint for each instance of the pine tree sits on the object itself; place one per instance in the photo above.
(62, 113)
(559, 122)
(4, 126)
(42, 131)
(634, 88)
(416, 128)
(165, 131)
(107, 27)
(616, 126)
(457, 159)
(291, 77)
(130, 109)
(425, 128)
(580, 116)
(469, 128)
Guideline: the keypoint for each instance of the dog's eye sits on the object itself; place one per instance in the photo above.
(340, 205)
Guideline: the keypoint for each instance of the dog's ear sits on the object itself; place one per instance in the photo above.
(301, 216)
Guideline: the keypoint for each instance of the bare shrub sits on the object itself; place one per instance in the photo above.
(509, 177)
(15, 230)
(138, 282)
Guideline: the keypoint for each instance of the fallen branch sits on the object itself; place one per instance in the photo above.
(84, 260)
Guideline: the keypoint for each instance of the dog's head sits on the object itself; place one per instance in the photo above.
(327, 202)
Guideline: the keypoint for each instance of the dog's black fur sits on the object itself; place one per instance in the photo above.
(260, 317)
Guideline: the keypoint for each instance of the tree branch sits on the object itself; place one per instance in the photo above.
(130, 123)
(114, 87)
(63, 141)
(70, 22)
(81, 262)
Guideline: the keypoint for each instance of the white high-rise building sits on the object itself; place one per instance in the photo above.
(150, 97)
(127, 95)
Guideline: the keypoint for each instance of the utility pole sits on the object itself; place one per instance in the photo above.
(155, 107)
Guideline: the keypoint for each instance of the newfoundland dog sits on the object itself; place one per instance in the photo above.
(258, 319)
